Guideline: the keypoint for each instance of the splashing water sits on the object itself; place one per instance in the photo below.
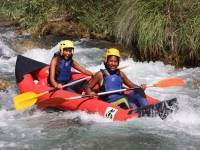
(33, 129)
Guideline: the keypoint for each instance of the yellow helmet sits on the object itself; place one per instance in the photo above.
(66, 44)
(112, 51)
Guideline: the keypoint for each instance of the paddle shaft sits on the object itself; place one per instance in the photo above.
(28, 99)
(77, 81)
(66, 85)
(99, 94)
(162, 83)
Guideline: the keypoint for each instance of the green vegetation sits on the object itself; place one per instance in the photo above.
(93, 15)
(29, 14)
(161, 29)
(167, 30)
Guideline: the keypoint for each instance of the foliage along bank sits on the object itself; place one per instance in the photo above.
(167, 30)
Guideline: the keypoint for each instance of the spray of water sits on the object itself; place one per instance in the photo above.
(185, 120)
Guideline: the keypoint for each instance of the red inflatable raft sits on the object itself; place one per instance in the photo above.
(32, 76)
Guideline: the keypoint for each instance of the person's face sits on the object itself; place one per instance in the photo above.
(112, 63)
(67, 52)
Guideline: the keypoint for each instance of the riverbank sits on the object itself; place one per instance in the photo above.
(171, 37)
(71, 29)
(54, 31)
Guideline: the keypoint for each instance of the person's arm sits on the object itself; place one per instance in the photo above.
(53, 72)
(128, 82)
(94, 80)
(80, 68)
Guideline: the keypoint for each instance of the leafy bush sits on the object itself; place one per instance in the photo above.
(161, 28)
(158, 29)
(94, 15)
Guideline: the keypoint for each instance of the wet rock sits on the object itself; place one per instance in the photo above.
(6, 22)
(4, 84)
(27, 44)
(71, 29)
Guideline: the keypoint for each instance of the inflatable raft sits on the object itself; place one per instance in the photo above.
(32, 76)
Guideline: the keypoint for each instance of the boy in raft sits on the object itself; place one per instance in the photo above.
(61, 64)
(112, 78)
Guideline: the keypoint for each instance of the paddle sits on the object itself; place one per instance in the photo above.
(176, 81)
(162, 83)
(28, 99)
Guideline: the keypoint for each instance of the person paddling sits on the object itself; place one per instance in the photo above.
(112, 78)
(61, 64)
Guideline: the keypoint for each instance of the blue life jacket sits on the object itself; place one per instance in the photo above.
(111, 82)
(63, 69)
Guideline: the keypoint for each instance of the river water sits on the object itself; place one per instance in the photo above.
(34, 129)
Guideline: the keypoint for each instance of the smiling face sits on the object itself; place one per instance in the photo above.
(67, 52)
(112, 62)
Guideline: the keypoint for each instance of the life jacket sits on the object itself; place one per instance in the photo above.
(111, 81)
(63, 68)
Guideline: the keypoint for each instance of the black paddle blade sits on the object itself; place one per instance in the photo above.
(161, 109)
(167, 107)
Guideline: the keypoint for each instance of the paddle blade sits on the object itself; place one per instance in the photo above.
(176, 81)
(24, 100)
